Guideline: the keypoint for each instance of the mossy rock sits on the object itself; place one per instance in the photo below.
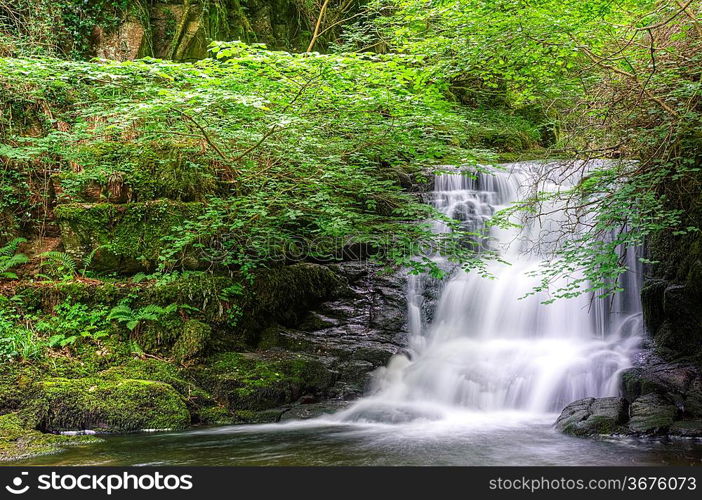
(15, 381)
(107, 405)
(192, 341)
(652, 414)
(593, 416)
(121, 238)
(261, 381)
(155, 370)
(215, 415)
(203, 408)
(18, 440)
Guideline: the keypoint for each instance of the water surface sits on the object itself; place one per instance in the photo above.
(463, 439)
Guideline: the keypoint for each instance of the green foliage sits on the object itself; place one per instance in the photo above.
(292, 156)
(17, 340)
(134, 318)
(59, 27)
(58, 265)
(610, 79)
(9, 258)
(72, 323)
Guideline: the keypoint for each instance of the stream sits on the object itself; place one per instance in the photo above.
(486, 373)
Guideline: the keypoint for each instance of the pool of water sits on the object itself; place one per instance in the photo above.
(462, 439)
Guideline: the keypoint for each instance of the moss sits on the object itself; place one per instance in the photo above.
(151, 369)
(107, 405)
(215, 415)
(123, 238)
(197, 289)
(203, 408)
(254, 381)
(157, 337)
(17, 440)
(119, 172)
(15, 381)
(192, 341)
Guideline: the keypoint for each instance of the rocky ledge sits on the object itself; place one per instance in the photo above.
(659, 398)
(305, 342)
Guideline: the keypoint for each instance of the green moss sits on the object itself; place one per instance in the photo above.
(122, 238)
(252, 381)
(17, 440)
(107, 405)
(15, 381)
(215, 415)
(192, 341)
(203, 408)
(151, 369)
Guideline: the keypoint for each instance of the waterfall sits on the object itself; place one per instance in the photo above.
(489, 347)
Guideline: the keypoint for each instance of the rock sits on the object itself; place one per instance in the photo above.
(356, 331)
(591, 416)
(264, 380)
(652, 303)
(305, 412)
(192, 341)
(123, 44)
(692, 404)
(17, 440)
(686, 428)
(107, 405)
(651, 414)
(680, 383)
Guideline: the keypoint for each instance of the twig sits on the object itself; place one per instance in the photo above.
(204, 133)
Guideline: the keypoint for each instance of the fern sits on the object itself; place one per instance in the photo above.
(11, 248)
(59, 263)
(89, 259)
(9, 258)
(134, 318)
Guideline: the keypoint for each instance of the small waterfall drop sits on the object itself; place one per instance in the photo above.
(487, 347)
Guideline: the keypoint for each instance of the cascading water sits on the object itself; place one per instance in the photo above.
(484, 371)
(488, 347)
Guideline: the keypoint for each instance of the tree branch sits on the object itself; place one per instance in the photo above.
(315, 35)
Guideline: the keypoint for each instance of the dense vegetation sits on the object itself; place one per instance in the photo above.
(146, 206)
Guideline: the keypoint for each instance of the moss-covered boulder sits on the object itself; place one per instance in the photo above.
(258, 381)
(121, 238)
(107, 405)
(18, 440)
(203, 407)
(652, 414)
(191, 342)
(593, 416)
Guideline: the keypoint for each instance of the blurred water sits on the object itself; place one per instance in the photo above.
(488, 347)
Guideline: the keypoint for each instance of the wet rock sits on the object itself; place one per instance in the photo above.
(356, 331)
(652, 414)
(591, 416)
(307, 411)
(686, 428)
(679, 383)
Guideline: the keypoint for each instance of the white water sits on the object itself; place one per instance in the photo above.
(488, 349)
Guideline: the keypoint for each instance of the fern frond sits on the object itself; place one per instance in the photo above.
(7, 263)
(9, 249)
(60, 259)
